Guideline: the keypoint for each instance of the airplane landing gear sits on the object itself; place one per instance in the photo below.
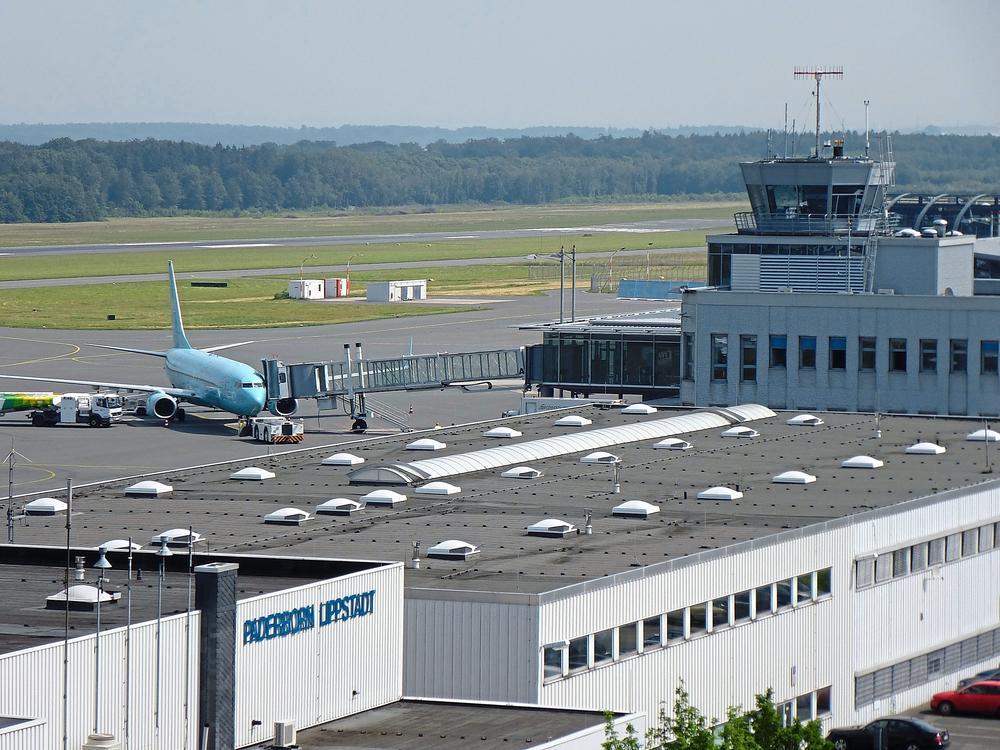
(360, 426)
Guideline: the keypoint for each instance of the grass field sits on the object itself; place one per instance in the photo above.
(442, 219)
(111, 264)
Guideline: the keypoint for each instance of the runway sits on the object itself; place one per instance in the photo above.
(139, 446)
(637, 227)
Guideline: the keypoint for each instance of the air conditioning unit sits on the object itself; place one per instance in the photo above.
(284, 734)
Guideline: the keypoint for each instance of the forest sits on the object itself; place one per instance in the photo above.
(85, 180)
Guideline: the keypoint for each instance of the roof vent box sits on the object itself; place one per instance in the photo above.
(338, 506)
(863, 462)
(426, 444)
(926, 449)
(572, 420)
(793, 477)
(437, 488)
(384, 498)
(639, 409)
(287, 517)
(148, 488)
(252, 473)
(720, 493)
(635, 509)
(502, 432)
(551, 527)
(343, 459)
(453, 549)
(45, 506)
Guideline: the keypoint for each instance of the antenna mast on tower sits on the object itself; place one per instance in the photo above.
(818, 74)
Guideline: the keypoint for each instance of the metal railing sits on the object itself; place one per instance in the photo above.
(812, 224)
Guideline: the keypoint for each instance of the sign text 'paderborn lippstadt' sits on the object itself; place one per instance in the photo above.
(292, 621)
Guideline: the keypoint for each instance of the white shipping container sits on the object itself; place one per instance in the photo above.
(306, 288)
(337, 287)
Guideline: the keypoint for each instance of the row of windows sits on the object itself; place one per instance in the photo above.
(806, 707)
(924, 668)
(836, 353)
(917, 557)
(596, 649)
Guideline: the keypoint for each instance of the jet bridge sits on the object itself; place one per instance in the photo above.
(348, 381)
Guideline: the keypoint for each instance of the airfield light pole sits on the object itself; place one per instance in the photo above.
(101, 565)
(572, 292)
(349, 259)
(303, 263)
(817, 75)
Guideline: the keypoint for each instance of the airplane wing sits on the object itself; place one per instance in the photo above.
(220, 347)
(181, 393)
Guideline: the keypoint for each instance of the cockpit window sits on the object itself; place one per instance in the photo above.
(253, 384)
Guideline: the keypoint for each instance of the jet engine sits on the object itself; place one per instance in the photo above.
(283, 407)
(161, 405)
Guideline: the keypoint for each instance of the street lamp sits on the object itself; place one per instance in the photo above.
(101, 565)
(162, 553)
(308, 257)
(611, 268)
(349, 259)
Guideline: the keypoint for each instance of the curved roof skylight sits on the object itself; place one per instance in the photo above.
(80, 596)
(983, 436)
(793, 477)
(148, 488)
(720, 493)
(674, 444)
(45, 506)
(928, 449)
(807, 420)
(521, 472)
(437, 488)
(343, 459)
(572, 420)
(384, 497)
(252, 473)
(119, 545)
(453, 549)
(339, 506)
(863, 462)
(740, 431)
(426, 444)
(635, 509)
(287, 517)
(600, 457)
(639, 409)
(551, 527)
(502, 432)
(177, 536)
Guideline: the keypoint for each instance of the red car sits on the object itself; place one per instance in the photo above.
(978, 698)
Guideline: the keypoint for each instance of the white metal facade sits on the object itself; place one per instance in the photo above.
(328, 671)
(477, 646)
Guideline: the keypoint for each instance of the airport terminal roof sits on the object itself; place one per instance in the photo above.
(492, 513)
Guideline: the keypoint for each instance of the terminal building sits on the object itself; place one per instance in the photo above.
(583, 560)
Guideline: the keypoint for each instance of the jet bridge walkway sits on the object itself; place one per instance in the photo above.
(346, 383)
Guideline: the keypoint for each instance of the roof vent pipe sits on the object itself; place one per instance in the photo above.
(616, 467)
(588, 527)
(79, 574)
(415, 561)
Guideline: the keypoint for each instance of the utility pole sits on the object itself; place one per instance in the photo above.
(11, 460)
(817, 74)
(572, 294)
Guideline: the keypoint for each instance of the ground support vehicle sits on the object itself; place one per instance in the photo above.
(275, 430)
(94, 409)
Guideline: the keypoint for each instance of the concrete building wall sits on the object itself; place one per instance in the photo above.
(884, 317)
(921, 265)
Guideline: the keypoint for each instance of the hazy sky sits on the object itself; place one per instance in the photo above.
(501, 64)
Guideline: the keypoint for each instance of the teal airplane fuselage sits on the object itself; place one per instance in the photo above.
(218, 382)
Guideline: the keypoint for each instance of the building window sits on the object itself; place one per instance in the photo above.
(553, 661)
(628, 642)
(897, 355)
(866, 354)
(720, 353)
(928, 355)
(970, 539)
(804, 588)
(689, 356)
(883, 567)
(698, 619)
(935, 555)
(918, 557)
(764, 600)
(779, 351)
(741, 606)
(953, 547)
(578, 648)
(803, 707)
(720, 613)
(986, 537)
(959, 355)
(783, 594)
(864, 573)
(823, 705)
(824, 583)
(675, 625)
(901, 562)
(651, 633)
(604, 646)
(807, 352)
(748, 359)
(988, 355)
(838, 353)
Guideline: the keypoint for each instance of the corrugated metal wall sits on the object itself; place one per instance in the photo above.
(469, 649)
(30, 737)
(325, 672)
(38, 673)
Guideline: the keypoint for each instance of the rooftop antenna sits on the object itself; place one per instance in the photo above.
(867, 136)
(11, 460)
(817, 75)
(785, 148)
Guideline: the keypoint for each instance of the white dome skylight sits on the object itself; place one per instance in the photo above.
(453, 549)
(502, 432)
(927, 449)
(600, 457)
(639, 409)
(120, 545)
(740, 431)
(720, 493)
(252, 473)
(806, 420)
(177, 536)
(426, 444)
(148, 488)
(287, 517)
(437, 488)
(338, 506)
(572, 420)
(551, 527)
(80, 597)
(521, 472)
(674, 444)
(384, 497)
(45, 506)
(635, 509)
(863, 462)
(343, 459)
(983, 436)
(793, 477)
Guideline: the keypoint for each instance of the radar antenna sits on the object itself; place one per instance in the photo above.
(818, 74)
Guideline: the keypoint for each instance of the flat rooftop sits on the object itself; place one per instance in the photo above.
(493, 512)
(447, 726)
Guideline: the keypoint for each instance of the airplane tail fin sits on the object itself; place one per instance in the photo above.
(180, 338)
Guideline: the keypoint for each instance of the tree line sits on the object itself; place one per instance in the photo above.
(84, 180)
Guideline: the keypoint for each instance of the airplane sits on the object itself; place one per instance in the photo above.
(197, 376)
